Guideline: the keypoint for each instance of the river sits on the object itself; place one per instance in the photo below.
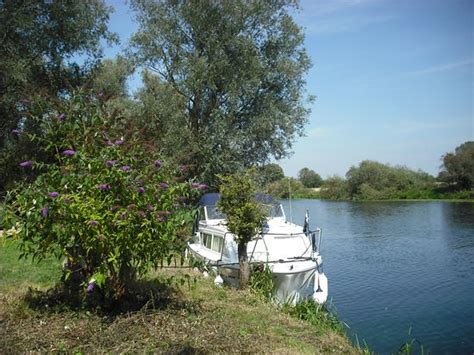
(395, 267)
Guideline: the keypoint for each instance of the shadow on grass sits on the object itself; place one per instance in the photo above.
(145, 295)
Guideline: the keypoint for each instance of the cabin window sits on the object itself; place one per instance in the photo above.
(207, 240)
(217, 243)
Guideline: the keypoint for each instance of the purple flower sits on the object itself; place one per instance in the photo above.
(200, 186)
(16, 131)
(125, 168)
(69, 152)
(93, 223)
(161, 219)
(26, 164)
(183, 168)
(45, 211)
(150, 207)
(164, 185)
(119, 142)
(90, 287)
(53, 194)
(158, 163)
(104, 187)
(164, 213)
(109, 142)
(101, 94)
(123, 215)
(111, 163)
(62, 117)
(141, 190)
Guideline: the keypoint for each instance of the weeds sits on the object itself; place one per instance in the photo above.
(411, 346)
(316, 314)
(261, 281)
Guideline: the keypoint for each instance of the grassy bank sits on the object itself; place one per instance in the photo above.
(171, 319)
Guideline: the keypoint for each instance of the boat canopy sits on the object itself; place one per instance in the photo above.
(211, 199)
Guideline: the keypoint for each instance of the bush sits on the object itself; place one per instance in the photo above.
(335, 188)
(108, 206)
(283, 187)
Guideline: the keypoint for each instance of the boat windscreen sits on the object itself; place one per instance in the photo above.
(274, 210)
(214, 213)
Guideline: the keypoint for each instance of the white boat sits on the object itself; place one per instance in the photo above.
(291, 251)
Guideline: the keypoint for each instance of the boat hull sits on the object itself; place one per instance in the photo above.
(293, 281)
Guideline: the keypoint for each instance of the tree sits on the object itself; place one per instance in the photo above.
(285, 188)
(245, 216)
(309, 178)
(109, 78)
(371, 180)
(335, 188)
(37, 43)
(269, 173)
(238, 67)
(458, 167)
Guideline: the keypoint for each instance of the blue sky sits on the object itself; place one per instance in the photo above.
(393, 79)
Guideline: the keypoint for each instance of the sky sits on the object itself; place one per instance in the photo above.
(393, 81)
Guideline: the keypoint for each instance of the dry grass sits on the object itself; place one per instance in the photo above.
(170, 319)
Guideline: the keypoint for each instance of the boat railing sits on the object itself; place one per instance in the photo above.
(315, 237)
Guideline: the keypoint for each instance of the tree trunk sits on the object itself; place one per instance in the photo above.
(244, 273)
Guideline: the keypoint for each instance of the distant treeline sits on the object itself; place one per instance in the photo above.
(371, 180)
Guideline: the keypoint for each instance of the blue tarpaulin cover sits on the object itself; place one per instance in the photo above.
(211, 199)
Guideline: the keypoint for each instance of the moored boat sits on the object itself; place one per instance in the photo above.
(291, 251)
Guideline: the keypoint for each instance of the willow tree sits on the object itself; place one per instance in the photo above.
(238, 68)
(40, 42)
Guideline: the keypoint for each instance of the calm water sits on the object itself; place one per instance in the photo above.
(399, 265)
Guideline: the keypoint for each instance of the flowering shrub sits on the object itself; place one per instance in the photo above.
(110, 207)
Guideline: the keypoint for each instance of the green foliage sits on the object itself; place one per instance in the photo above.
(458, 167)
(309, 178)
(269, 173)
(245, 216)
(261, 281)
(236, 70)
(286, 186)
(412, 345)
(109, 79)
(316, 314)
(104, 202)
(375, 181)
(335, 188)
(38, 41)
(160, 119)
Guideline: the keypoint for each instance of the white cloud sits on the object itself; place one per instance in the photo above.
(408, 127)
(325, 7)
(318, 132)
(344, 24)
(444, 67)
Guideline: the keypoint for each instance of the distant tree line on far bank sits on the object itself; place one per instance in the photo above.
(371, 180)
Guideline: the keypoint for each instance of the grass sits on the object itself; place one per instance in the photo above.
(171, 318)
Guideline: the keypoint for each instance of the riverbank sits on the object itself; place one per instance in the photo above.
(194, 318)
